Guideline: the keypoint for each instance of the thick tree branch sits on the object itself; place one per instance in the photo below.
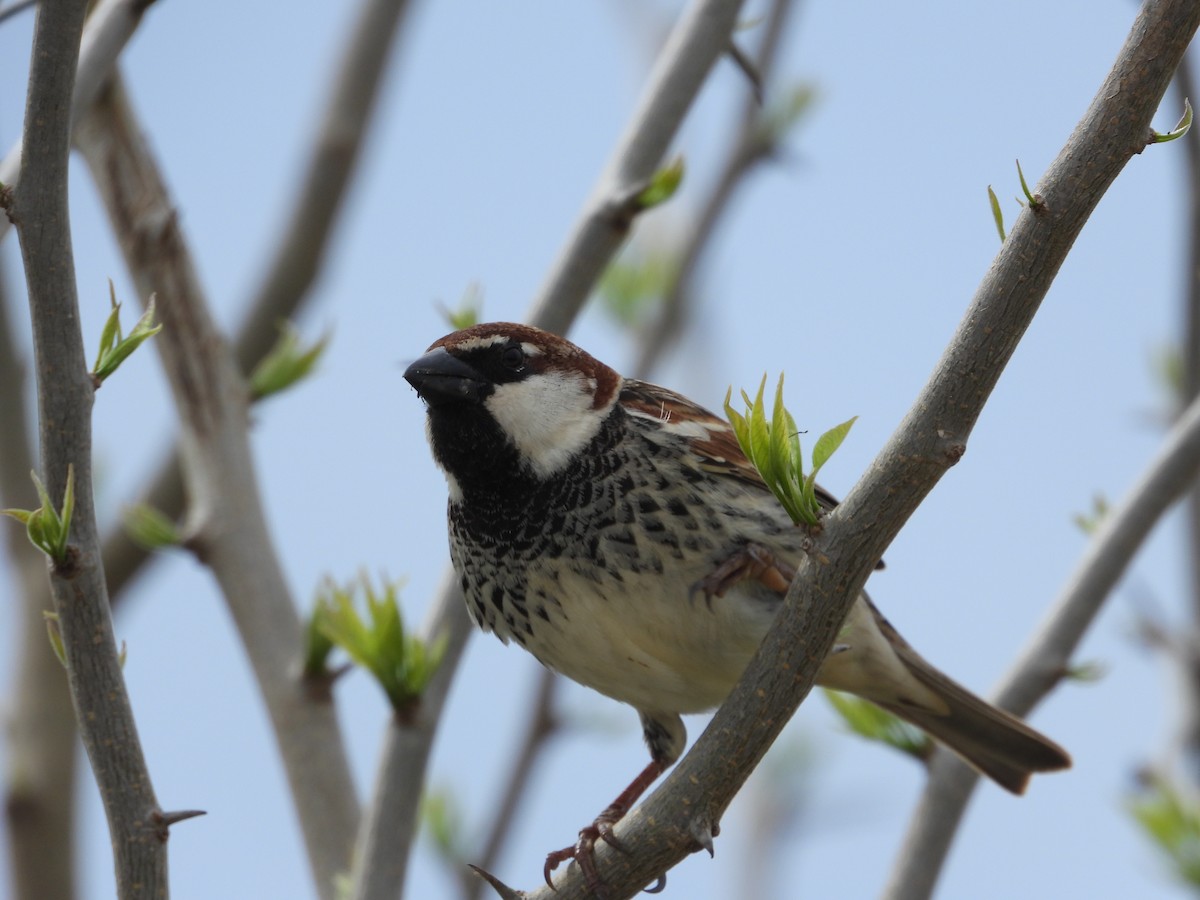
(225, 524)
(65, 395)
(1041, 666)
(932, 437)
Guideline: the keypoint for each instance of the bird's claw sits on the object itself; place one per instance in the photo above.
(752, 562)
(583, 851)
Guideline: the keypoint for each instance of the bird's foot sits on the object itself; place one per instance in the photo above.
(752, 562)
(583, 850)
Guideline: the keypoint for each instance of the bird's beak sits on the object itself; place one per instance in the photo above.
(441, 379)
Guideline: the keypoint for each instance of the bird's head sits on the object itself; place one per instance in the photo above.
(505, 394)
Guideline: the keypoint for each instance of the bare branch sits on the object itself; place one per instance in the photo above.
(1041, 666)
(697, 41)
(389, 829)
(65, 394)
(931, 438)
(747, 149)
(541, 726)
(299, 255)
(225, 524)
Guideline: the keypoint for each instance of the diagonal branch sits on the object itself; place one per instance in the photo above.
(1041, 666)
(694, 45)
(226, 527)
(684, 812)
(65, 394)
(752, 145)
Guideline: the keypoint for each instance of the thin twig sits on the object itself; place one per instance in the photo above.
(299, 256)
(65, 395)
(697, 41)
(542, 724)
(225, 527)
(7, 12)
(744, 152)
(931, 438)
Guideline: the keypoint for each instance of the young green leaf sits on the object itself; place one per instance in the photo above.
(54, 633)
(149, 528)
(1171, 820)
(441, 814)
(401, 663)
(1181, 127)
(1035, 200)
(663, 185)
(869, 721)
(48, 528)
(286, 363)
(115, 348)
(772, 445)
(997, 213)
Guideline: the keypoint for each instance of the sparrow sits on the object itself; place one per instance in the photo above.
(616, 531)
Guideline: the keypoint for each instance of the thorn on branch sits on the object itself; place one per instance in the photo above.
(502, 889)
(702, 832)
(164, 820)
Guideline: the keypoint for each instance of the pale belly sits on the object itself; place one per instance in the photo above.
(643, 640)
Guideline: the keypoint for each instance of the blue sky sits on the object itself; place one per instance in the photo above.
(847, 265)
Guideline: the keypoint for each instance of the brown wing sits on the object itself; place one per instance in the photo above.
(715, 443)
(712, 437)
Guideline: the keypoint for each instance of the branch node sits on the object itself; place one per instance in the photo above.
(502, 889)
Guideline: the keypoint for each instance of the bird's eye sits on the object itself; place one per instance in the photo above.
(513, 358)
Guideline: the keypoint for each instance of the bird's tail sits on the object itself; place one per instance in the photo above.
(993, 741)
(873, 661)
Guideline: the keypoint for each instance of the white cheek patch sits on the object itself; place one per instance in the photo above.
(548, 417)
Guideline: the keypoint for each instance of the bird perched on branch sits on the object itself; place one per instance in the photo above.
(616, 531)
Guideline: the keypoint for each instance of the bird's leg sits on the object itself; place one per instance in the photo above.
(752, 562)
(583, 850)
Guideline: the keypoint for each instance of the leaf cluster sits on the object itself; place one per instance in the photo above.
(116, 347)
(48, 528)
(773, 446)
(400, 662)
